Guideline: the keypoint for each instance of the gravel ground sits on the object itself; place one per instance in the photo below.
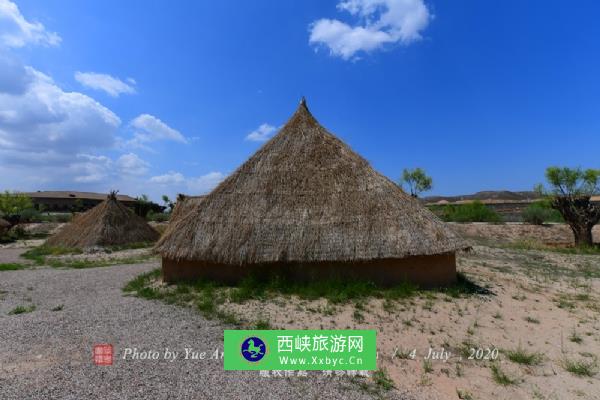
(47, 354)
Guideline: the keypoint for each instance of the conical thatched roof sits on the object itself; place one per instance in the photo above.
(109, 223)
(305, 196)
(183, 205)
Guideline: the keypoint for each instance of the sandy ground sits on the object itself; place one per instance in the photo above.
(549, 234)
(539, 301)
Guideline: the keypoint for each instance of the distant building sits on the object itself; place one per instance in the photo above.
(66, 201)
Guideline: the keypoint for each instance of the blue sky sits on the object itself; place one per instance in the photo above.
(165, 97)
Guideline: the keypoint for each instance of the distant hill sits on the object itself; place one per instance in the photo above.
(485, 195)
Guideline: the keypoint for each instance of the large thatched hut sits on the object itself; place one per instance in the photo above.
(110, 223)
(308, 207)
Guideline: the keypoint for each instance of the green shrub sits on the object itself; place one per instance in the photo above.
(469, 212)
(30, 215)
(540, 212)
(157, 217)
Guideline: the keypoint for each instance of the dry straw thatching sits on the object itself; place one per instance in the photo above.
(183, 205)
(109, 223)
(305, 196)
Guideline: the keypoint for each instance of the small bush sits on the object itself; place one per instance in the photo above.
(539, 213)
(581, 368)
(22, 310)
(382, 380)
(11, 266)
(469, 212)
(521, 356)
(157, 217)
(500, 377)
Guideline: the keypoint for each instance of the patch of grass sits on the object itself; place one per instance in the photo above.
(39, 254)
(522, 356)
(500, 377)
(532, 320)
(534, 245)
(58, 307)
(343, 291)
(581, 368)
(22, 310)
(83, 264)
(12, 266)
(427, 366)
(262, 324)
(382, 379)
(575, 337)
(464, 395)
(140, 281)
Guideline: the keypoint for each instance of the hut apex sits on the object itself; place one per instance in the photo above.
(306, 206)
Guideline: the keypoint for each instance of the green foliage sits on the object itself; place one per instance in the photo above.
(22, 310)
(14, 203)
(522, 356)
(566, 181)
(157, 217)
(11, 266)
(475, 211)
(416, 180)
(500, 377)
(382, 379)
(581, 368)
(541, 212)
(38, 254)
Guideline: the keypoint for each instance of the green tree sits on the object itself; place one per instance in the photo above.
(416, 180)
(13, 204)
(570, 192)
(168, 203)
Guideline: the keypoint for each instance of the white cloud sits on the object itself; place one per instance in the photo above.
(131, 164)
(16, 31)
(149, 129)
(37, 116)
(109, 84)
(205, 183)
(169, 178)
(51, 138)
(381, 22)
(262, 133)
(175, 182)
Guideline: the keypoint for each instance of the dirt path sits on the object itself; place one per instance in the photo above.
(48, 354)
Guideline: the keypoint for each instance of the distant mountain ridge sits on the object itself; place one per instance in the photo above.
(486, 195)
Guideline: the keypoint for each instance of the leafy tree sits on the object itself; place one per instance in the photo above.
(12, 205)
(570, 192)
(416, 180)
(168, 203)
(142, 205)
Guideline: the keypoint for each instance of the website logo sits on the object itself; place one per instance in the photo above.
(253, 349)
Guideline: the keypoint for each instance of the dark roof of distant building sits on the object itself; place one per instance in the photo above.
(63, 194)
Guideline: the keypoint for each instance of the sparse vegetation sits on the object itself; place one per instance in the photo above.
(581, 368)
(11, 266)
(500, 377)
(382, 379)
(475, 211)
(522, 356)
(22, 310)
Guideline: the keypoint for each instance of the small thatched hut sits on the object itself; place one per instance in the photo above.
(109, 223)
(306, 206)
